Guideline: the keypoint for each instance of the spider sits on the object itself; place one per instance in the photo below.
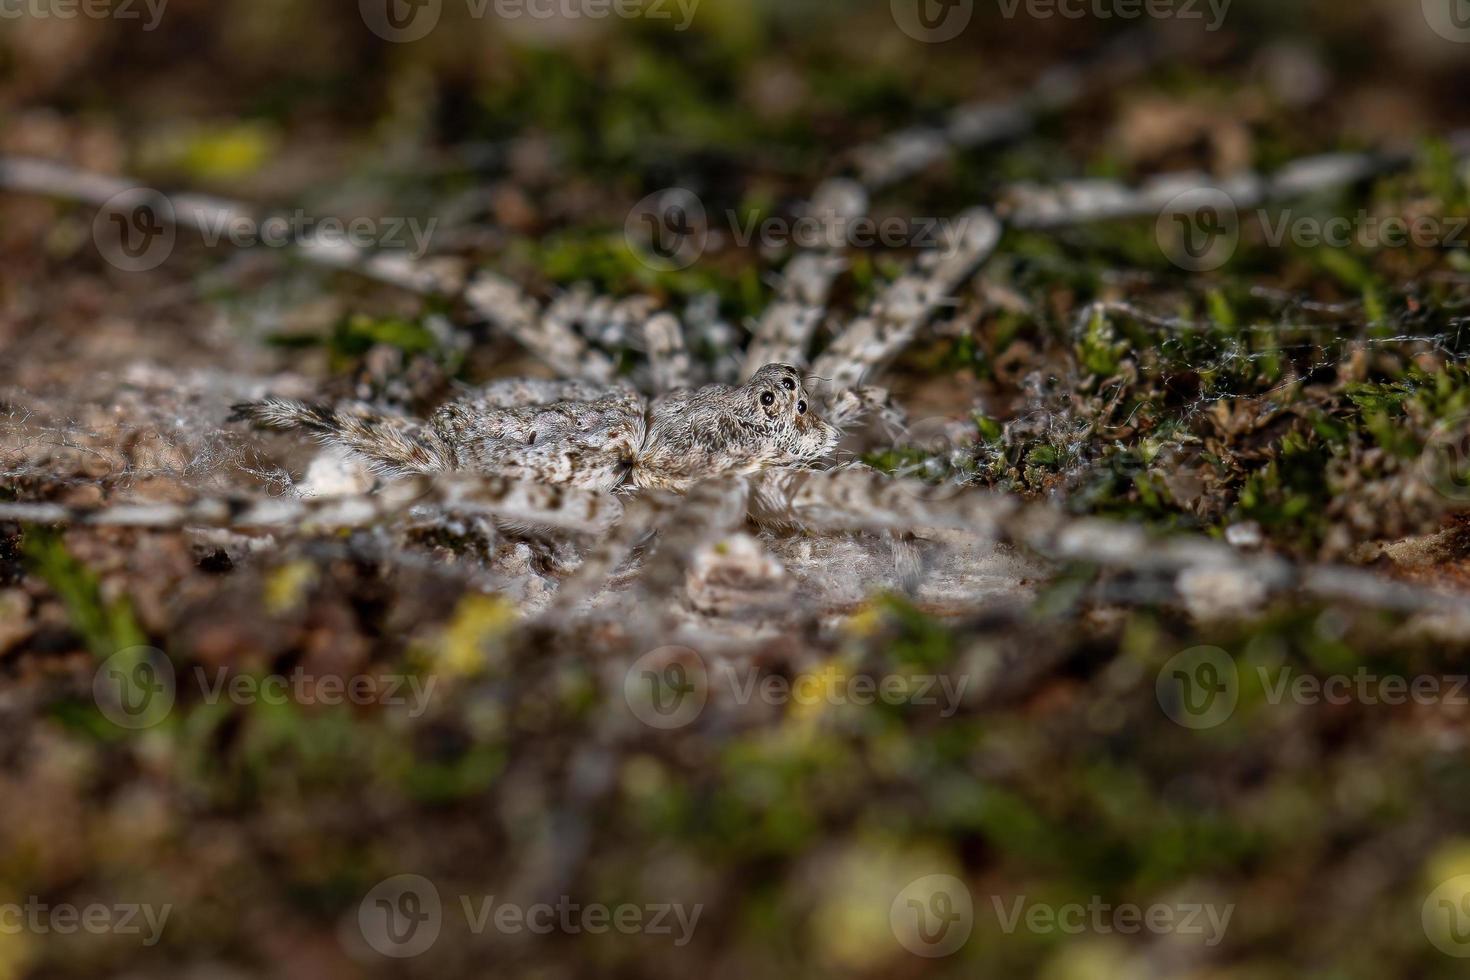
(576, 434)
(588, 457)
(693, 463)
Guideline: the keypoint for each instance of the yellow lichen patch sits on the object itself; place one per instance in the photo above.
(853, 925)
(17, 951)
(815, 692)
(865, 622)
(465, 645)
(286, 587)
(221, 152)
(1450, 861)
(1095, 958)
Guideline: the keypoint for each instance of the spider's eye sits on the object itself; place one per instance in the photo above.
(790, 385)
(801, 407)
(768, 399)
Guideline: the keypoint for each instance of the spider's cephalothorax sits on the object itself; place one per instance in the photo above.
(767, 422)
(577, 434)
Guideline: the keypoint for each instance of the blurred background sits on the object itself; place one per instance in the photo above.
(1325, 841)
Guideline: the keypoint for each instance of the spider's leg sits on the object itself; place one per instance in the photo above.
(601, 320)
(667, 354)
(533, 392)
(505, 305)
(643, 515)
(533, 504)
(786, 327)
(857, 499)
(896, 316)
(682, 524)
(860, 499)
(849, 406)
(392, 446)
(708, 511)
(713, 338)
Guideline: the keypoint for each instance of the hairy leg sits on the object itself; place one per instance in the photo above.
(505, 305)
(509, 501)
(860, 499)
(643, 516)
(682, 524)
(870, 342)
(667, 354)
(785, 329)
(531, 392)
(392, 446)
(850, 406)
(708, 511)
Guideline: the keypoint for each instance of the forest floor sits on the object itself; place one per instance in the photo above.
(1070, 769)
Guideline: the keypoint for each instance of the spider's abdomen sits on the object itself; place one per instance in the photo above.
(587, 444)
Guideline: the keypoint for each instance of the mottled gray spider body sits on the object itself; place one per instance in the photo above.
(668, 474)
(576, 434)
(565, 456)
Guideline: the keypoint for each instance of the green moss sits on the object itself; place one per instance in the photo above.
(107, 626)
